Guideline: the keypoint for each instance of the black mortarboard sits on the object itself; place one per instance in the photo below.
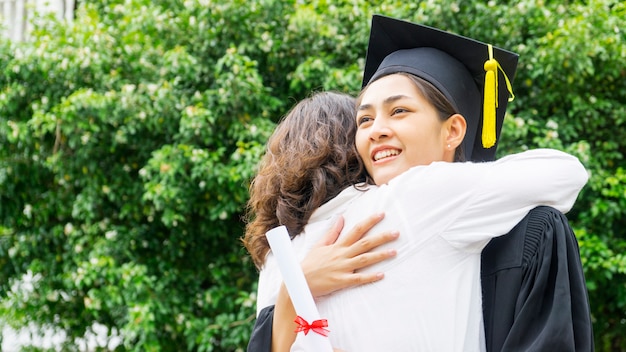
(459, 67)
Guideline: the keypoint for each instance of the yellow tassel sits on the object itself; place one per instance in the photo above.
(490, 101)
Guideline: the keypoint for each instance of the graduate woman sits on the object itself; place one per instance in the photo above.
(447, 212)
(534, 292)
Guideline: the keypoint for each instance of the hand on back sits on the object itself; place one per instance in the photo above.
(331, 265)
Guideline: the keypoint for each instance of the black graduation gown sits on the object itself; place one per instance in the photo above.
(261, 338)
(534, 293)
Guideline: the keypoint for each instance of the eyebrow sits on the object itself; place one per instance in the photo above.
(387, 101)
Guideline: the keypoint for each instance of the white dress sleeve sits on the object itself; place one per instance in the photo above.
(474, 202)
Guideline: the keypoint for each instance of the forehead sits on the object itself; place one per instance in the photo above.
(391, 86)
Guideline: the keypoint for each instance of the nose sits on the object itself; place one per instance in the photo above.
(380, 129)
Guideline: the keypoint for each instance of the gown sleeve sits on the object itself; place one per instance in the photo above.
(534, 293)
(261, 337)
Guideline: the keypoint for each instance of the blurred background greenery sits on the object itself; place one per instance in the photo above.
(128, 137)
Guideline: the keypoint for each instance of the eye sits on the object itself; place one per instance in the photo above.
(363, 119)
(398, 111)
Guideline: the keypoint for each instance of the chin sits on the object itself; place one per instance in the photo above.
(388, 174)
(382, 180)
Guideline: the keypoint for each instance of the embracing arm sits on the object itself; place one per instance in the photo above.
(539, 177)
(495, 196)
(283, 322)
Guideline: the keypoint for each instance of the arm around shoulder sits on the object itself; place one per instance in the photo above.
(544, 176)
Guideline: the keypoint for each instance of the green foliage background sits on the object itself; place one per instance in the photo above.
(128, 138)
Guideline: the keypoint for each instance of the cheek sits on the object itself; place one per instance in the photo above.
(421, 147)
(362, 145)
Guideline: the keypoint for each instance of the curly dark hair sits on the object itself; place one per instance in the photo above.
(310, 158)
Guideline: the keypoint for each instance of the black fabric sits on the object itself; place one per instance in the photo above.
(261, 338)
(534, 293)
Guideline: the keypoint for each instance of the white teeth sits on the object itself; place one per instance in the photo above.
(385, 153)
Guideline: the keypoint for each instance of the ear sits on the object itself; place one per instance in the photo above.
(456, 127)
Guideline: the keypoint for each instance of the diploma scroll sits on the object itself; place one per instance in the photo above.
(297, 288)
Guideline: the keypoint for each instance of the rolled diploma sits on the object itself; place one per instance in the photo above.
(297, 287)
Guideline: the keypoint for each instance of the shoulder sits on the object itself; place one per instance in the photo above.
(340, 203)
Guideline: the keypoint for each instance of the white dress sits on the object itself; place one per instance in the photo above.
(446, 213)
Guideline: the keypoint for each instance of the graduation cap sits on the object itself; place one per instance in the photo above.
(474, 76)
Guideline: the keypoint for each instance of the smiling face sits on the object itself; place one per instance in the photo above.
(398, 129)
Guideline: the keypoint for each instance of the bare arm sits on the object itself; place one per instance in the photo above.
(283, 326)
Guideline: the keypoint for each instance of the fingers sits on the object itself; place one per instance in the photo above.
(334, 263)
(363, 278)
(368, 243)
(328, 268)
(361, 229)
(371, 258)
(331, 236)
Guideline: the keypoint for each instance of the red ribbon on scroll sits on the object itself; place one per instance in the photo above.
(317, 326)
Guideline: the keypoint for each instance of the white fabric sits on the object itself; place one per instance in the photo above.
(430, 298)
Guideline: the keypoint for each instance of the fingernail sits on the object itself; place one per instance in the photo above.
(395, 233)
(379, 275)
(392, 252)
